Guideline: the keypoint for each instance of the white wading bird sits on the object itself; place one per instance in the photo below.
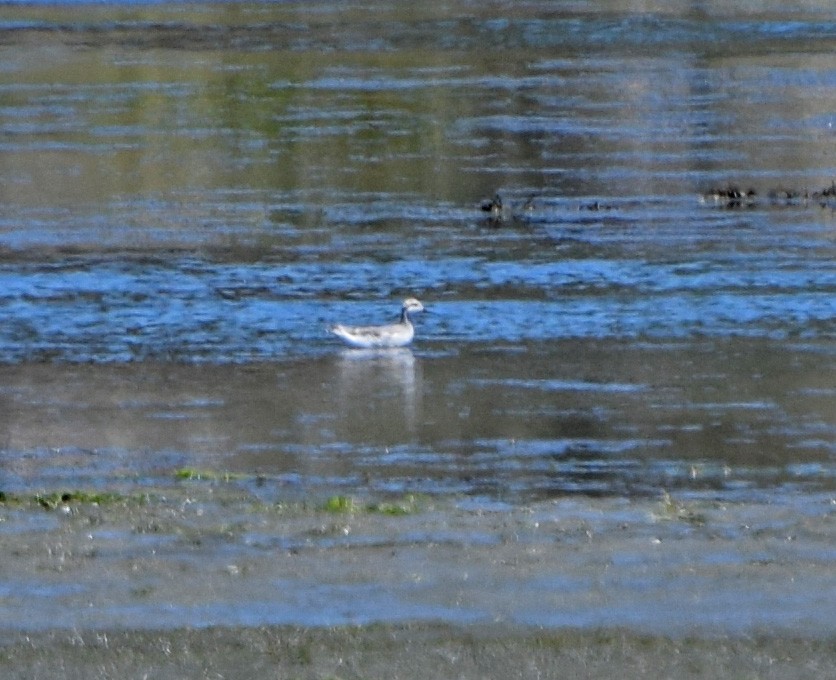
(391, 335)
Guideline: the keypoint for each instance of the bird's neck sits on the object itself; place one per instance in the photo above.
(405, 317)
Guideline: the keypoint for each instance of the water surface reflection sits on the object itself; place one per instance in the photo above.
(191, 192)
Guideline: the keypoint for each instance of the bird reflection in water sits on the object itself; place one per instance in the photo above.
(378, 392)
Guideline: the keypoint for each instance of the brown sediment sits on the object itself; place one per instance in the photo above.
(406, 652)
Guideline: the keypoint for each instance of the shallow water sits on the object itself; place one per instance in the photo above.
(191, 193)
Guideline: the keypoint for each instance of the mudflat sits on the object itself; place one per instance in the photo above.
(409, 651)
(202, 578)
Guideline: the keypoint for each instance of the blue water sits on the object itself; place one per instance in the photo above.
(191, 192)
(205, 187)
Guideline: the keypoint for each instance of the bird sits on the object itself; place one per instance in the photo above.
(494, 206)
(397, 334)
(499, 211)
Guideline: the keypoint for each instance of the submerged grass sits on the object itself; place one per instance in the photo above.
(673, 510)
(340, 504)
(408, 505)
(193, 474)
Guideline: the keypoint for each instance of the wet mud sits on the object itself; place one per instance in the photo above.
(209, 551)
(203, 578)
(409, 652)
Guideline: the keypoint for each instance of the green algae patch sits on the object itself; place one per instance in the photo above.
(408, 505)
(340, 504)
(193, 474)
(346, 504)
